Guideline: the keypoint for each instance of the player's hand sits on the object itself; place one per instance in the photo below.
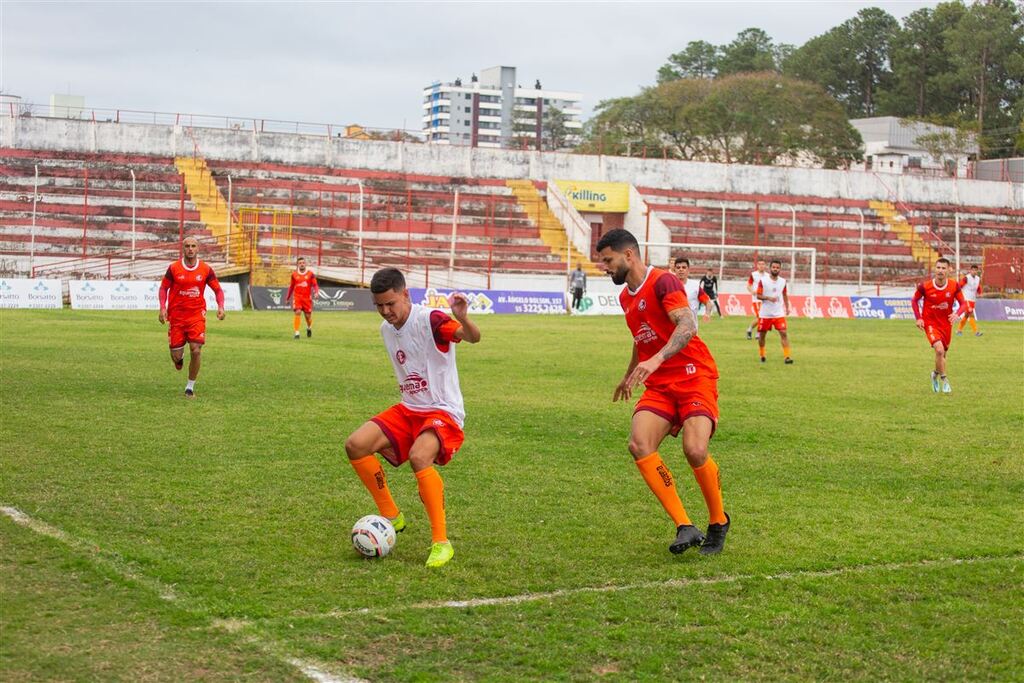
(644, 370)
(460, 305)
(920, 324)
(622, 392)
(954, 317)
(162, 317)
(220, 314)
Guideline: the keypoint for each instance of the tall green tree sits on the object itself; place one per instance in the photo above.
(555, 133)
(698, 60)
(924, 84)
(752, 50)
(987, 53)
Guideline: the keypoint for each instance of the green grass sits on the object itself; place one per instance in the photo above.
(241, 501)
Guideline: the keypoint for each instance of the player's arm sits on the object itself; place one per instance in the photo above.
(978, 293)
(315, 288)
(785, 298)
(686, 327)
(759, 294)
(625, 390)
(963, 310)
(915, 305)
(213, 283)
(468, 332)
(750, 285)
(291, 290)
(165, 287)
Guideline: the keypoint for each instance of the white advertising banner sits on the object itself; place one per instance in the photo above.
(601, 298)
(138, 295)
(25, 293)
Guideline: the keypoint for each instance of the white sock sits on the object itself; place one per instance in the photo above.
(191, 386)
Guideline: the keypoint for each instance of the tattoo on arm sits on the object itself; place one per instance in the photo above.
(686, 327)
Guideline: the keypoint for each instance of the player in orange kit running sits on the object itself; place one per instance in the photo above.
(183, 305)
(681, 387)
(304, 286)
(937, 317)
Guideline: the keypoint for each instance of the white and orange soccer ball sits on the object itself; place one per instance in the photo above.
(373, 536)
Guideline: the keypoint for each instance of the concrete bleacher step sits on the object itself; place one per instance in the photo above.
(552, 232)
(897, 223)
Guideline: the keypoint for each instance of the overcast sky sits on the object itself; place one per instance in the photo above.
(366, 63)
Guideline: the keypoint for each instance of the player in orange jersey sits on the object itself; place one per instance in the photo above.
(183, 305)
(426, 427)
(752, 282)
(971, 286)
(681, 387)
(936, 317)
(774, 297)
(304, 287)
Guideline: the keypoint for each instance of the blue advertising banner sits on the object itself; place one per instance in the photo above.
(882, 308)
(999, 309)
(486, 301)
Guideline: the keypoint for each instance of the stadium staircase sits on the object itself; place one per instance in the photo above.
(895, 222)
(552, 232)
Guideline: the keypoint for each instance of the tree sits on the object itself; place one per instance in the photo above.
(987, 52)
(555, 134)
(698, 60)
(621, 126)
(922, 83)
(946, 146)
(752, 50)
(871, 35)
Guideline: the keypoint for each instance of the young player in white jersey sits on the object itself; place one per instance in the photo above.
(971, 286)
(426, 427)
(774, 298)
(695, 294)
(752, 282)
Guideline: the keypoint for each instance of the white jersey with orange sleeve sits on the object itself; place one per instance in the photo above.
(755, 279)
(775, 289)
(695, 295)
(422, 353)
(971, 286)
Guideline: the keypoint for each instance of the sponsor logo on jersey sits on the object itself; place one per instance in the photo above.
(400, 357)
(645, 335)
(414, 384)
(191, 292)
(642, 305)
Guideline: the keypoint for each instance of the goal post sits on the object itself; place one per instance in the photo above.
(666, 251)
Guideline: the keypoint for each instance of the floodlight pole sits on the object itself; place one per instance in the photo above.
(32, 251)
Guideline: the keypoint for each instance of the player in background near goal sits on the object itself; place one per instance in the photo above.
(709, 283)
(426, 427)
(304, 287)
(695, 294)
(183, 307)
(752, 282)
(774, 298)
(935, 317)
(681, 387)
(971, 286)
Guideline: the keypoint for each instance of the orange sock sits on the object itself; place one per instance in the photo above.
(432, 494)
(960, 327)
(974, 325)
(662, 485)
(785, 351)
(369, 470)
(711, 486)
(295, 322)
(760, 349)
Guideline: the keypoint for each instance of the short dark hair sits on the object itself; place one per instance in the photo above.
(301, 258)
(387, 279)
(943, 259)
(618, 240)
(974, 267)
(774, 261)
(681, 259)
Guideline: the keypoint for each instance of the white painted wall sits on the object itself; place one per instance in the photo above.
(90, 136)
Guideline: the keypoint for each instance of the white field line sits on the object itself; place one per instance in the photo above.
(669, 583)
(312, 670)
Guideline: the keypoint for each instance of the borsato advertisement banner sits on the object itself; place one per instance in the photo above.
(486, 301)
(327, 299)
(30, 293)
(138, 295)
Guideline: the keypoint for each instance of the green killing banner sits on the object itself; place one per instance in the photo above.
(327, 299)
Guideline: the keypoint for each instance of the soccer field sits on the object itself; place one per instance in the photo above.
(876, 527)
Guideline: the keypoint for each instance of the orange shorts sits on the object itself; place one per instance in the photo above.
(304, 305)
(766, 324)
(938, 334)
(679, 401)
(180, 332)
(402, 426)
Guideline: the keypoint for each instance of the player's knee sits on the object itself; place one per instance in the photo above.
(353, 449)
(639, 447)
(421, 459)
(696, 453)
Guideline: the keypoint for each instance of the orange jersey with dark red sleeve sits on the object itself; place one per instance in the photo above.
(937, 302)
(647, 311)
(303, 286)
(185, 287)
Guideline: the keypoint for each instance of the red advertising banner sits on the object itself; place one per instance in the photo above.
(799, 306)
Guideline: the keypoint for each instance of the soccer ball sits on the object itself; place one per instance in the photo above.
(373, 536)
